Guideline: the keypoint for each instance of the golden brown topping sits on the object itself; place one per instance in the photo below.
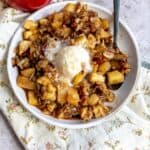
(63, 32)
(86, 113)
(39, 77)
(110, 96)
(51, 107)
(99, 111)
(93, 99)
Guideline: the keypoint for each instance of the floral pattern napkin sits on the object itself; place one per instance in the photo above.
(129, 129)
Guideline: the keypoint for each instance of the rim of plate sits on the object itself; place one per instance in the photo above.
(87, 124)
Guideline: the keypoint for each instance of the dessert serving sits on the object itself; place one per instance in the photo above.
(67, 64)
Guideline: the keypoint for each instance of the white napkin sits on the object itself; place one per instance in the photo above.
(127, 130)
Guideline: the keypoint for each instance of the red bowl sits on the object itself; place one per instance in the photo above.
(28, 5)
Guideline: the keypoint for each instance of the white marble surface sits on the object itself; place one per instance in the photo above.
(136, 14)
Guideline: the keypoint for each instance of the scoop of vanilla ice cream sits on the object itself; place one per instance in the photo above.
(70, 60)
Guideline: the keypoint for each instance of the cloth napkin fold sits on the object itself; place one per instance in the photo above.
(129, 129)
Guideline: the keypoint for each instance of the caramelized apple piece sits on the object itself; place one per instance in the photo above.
(73, 97)
(115, 77)
(24, 46)
(32, 98)
(29, 72)
(105, 67)
(44, 80)
(96, 78)
(30, 25)
(78, 78)
(25, 83)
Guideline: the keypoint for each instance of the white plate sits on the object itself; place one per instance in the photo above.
(127, 44)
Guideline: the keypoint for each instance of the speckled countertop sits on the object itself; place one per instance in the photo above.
(136, 14)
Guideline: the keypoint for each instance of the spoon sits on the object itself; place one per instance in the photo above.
(116, 21)
(115, 35)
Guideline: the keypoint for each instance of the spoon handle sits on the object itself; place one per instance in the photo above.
(116, 20)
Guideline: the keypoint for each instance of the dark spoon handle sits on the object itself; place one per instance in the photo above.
(116, 20)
